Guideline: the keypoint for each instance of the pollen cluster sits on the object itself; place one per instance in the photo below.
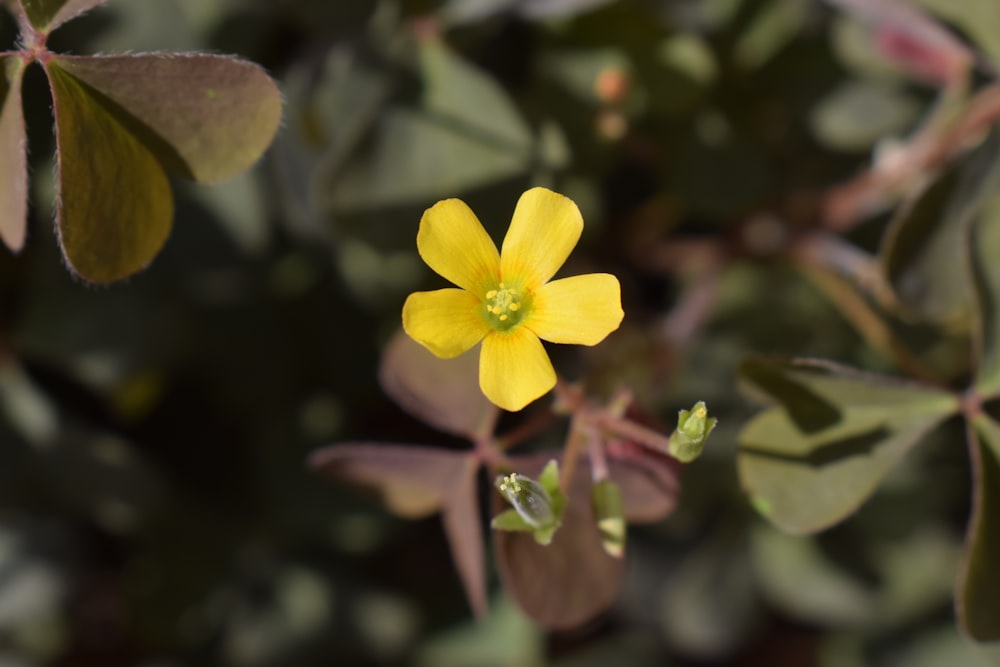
(503, 304)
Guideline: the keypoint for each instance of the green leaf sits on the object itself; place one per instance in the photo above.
(977, 599)
(506, 638)
(114, 206)
(924, 252)
(47, 15)
(206, 117)
(467, 133)
(858, 113)
(812, 460)
(984, 248)
(469, 97)
(13, 162)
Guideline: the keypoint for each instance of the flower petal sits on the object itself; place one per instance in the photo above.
(446, 321)
(452, 241)
(514, 368)
(543, 232)
(581, 310)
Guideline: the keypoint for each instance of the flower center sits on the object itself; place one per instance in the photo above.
(504, 307)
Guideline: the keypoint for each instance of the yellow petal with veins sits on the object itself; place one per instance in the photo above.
(447, 322)
(543, 232)
(514, 368)
(581, 310)
(452, 241)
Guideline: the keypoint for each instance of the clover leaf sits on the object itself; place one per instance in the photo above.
(122, 123)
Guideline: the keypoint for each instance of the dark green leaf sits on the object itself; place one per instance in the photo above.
(114, 207)
(13, 164)
(805, 474)
(206, 117)
(977, 598)
(466, 133)
(47, 15)
(984, 250)
(924, 251)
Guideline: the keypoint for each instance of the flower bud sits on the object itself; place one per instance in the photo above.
(529, 498)
(693, 427)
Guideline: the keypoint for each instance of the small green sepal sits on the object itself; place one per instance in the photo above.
(538, 506)
(609, 510)
(693, 428)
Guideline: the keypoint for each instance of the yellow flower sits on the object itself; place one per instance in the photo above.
(506, 300)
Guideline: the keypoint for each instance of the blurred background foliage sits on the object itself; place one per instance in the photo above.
(155, 505)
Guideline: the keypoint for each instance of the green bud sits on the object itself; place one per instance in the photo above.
(529, 498)
(693, 428)
(609, 510)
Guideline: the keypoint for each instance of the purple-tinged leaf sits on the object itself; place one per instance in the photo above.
(911, 38)
(464, 529)
(648, 481)
(13, 163)
(977, 597)
(115, 207)
(47, 15)
(441, 392)
(813, 459)
(206, 117)
(569, 581)
(413, 481)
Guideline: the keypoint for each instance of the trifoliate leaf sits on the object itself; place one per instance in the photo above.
(836, 433)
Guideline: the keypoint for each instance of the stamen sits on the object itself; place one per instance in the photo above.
(504, 304)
